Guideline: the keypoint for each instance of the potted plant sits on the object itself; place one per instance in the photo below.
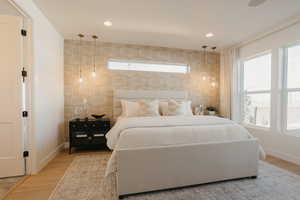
(211, 110)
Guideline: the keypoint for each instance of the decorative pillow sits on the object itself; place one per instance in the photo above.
(176, 108)
(189, 111)
(163, 108)
(148, 108)
(130, 108)
(182, 108)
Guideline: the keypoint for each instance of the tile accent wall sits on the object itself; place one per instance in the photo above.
(95, 95)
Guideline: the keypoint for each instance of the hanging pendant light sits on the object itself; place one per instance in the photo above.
(80, 68)
(95, 53)
(214, 51)
(204, 77)
(214, 83)
(205, 56)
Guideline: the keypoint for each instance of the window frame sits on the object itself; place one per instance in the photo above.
(149, 62)
(243, 92)
(286, 91)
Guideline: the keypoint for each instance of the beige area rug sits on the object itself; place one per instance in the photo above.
(83, 178)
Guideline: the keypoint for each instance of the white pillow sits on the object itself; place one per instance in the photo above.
(130, 108)
(174, 108)
(148, 108)
(189, 111)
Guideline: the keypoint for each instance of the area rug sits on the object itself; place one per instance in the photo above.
(82, 181)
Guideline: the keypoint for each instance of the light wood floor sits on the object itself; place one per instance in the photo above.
(40, 186)
(7, 184)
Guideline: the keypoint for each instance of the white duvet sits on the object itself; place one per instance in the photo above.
(173, 130)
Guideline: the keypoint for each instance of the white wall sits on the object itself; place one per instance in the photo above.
(276, 143)
(47, 86)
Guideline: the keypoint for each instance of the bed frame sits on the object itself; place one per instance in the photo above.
(157, 168)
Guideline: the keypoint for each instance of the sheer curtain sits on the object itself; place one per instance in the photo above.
(228, 75)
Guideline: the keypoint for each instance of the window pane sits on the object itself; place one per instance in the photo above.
(257, 109)
(293, 67)
(150, 67)
(293, 115)
(257, 73)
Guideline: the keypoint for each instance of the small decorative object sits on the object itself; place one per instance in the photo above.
(98, 116)
(211, 110)
(199, 110)
(78, 110)
(85, 107)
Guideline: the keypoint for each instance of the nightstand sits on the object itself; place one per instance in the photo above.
(88, 133)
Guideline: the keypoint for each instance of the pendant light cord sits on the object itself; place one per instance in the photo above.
(80, 59)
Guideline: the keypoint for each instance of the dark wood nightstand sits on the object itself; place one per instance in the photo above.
(88, 132)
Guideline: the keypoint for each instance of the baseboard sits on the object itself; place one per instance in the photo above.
(283, 156)
(49, 157)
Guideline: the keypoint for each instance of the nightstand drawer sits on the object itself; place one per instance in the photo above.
(81, 141)
(79, 126)
(100, 140)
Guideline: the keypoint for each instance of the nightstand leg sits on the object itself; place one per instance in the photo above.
(70, 149)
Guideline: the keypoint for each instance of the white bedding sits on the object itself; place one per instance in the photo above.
(173, 130)
(143, 132)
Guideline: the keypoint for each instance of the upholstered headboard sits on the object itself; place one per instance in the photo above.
(144, 94)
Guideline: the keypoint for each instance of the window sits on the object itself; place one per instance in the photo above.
(291, 94)
(148, 67)
(256, 90)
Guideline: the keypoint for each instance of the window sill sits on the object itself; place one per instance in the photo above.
(293, 134)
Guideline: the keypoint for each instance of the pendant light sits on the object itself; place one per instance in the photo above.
(204, 77)
(205, 56)
(214, 83)
(80, 67)
(95, 37)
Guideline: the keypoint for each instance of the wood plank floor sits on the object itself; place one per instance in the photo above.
(7, 184)
(40, 186)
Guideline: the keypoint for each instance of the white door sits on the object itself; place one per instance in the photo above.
(11, 136)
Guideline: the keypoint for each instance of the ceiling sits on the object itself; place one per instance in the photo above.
(168, 23)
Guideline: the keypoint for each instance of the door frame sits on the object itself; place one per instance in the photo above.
(28, 131)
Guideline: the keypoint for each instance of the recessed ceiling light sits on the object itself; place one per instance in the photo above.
(108, 23)
(208, 35)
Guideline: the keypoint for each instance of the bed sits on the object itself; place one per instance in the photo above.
(157, 153)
